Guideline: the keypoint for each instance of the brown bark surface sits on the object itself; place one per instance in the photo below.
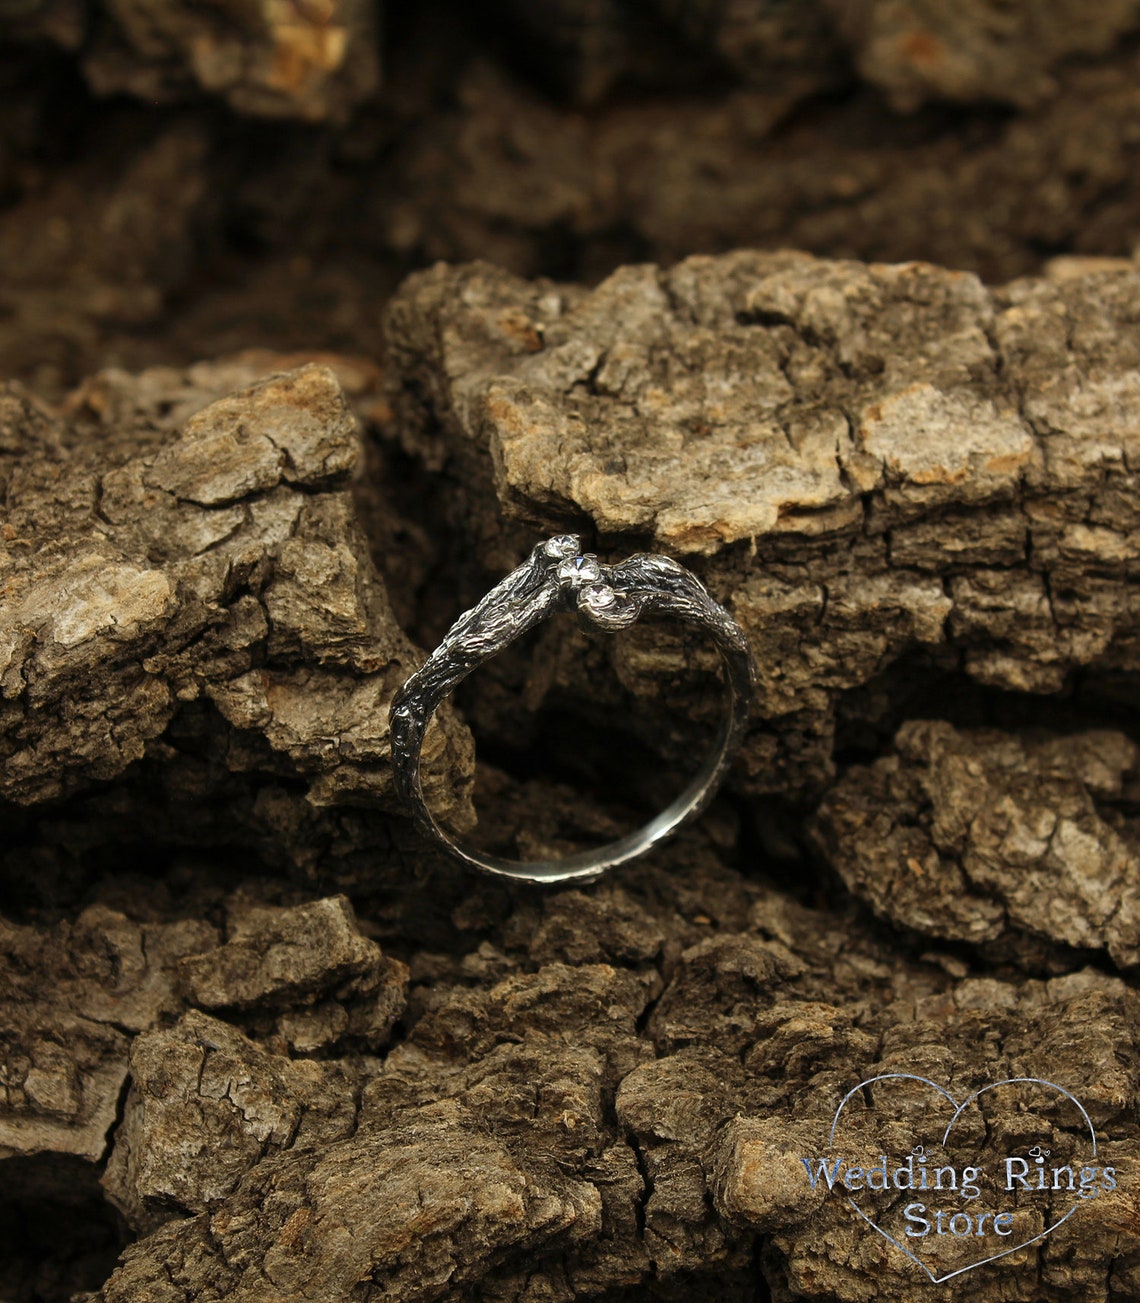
(604, 1088)
(566, 142)
(866, 463)
(256, 1036)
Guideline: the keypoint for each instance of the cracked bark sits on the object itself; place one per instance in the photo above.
(313, 63)
(225, 565)
(452, 1088)
(170, 234)
(978, 835)
(965, 501)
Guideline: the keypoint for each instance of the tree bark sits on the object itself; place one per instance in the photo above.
(916, 495)
(891, 475)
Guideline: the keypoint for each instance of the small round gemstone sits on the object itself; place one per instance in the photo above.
(597, 597)
(562, 546)
(579, 570)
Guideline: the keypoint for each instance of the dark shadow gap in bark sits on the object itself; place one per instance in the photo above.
(58, 1234)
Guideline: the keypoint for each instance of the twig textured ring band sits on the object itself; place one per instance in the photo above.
(558, 577)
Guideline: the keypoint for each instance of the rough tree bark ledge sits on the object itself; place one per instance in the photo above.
(891, 475)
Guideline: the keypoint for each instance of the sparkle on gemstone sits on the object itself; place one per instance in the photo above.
(579, 570)
(562, 546)
(598, 596)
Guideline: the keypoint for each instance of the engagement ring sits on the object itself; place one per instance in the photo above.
(558, 577)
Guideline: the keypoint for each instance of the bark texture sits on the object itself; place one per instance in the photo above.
(566, 142)
(968, 835)
(528, 1131)
(224, 565)
(898, 480)
(865, 463)
(291, 60)
(259, 1038)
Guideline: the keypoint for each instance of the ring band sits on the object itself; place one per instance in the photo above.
(558, 577)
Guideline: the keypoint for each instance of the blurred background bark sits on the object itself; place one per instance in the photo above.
(180, 181)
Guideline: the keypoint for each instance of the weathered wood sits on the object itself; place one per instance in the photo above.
(312, 63)
(978, 835)
(142, 235)
(225, 564)
(864, 463)
(463, 1089)
(537, 1126)
(250, 1024)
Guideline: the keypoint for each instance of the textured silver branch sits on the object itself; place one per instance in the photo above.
(557, 576)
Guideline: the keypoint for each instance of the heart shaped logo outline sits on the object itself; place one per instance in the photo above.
(958, 1109)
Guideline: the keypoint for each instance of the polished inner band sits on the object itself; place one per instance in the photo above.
(557, 577)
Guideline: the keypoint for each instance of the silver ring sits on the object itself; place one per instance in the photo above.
(558, 577)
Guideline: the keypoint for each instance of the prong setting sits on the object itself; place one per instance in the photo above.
(596, 597)
(579, 571)
(562, 547)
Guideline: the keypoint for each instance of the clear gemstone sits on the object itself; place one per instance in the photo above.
(562, 546)
(579, 570)
(597, 597)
